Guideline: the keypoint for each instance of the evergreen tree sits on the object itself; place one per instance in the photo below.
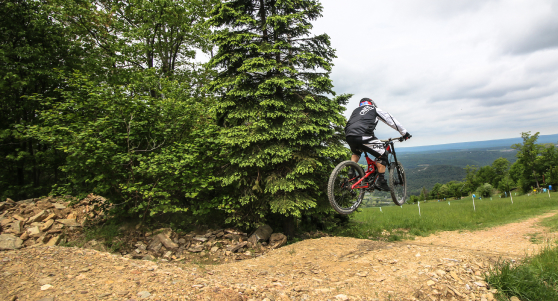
(280, 130)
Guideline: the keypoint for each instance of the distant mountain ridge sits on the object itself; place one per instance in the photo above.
(475, 144)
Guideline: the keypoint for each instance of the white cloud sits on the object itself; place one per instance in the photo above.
(450, 71)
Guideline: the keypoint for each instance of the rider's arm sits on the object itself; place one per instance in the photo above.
(390, 121)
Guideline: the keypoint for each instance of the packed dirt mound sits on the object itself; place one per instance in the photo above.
(446, 266)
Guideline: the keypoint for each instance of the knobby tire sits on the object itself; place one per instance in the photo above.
(343, 199)
(397, 183)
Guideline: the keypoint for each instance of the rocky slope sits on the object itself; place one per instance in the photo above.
(49, 221)
(445, 266)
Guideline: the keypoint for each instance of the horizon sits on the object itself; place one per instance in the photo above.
(475, 141)
(448, 71)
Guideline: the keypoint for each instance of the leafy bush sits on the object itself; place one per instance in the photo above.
(149, 154)
(485, 190)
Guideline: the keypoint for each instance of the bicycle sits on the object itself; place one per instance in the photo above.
(346, 193)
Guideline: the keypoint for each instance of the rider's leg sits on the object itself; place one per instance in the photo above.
(381, 167)
(355, 158)
(381, 182)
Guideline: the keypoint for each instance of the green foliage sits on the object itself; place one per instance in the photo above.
(506, 185)
(485, 190)
(147, 153)
(500, 168)
(32, 44)
(527, 156)
(282, 133)
(535, 278)
(458, 158)
(125, 36)
(428, 176)
(536, 164)
(413, 199)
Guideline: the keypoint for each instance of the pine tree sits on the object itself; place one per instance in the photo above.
(281, 131)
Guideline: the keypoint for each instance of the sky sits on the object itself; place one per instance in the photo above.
(449, 71)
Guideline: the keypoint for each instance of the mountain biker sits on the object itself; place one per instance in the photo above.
(359, 134)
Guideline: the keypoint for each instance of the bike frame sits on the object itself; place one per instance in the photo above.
(390, 149)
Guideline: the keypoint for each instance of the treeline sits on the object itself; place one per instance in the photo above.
(536, 167)
(428, 176)
(107, 97)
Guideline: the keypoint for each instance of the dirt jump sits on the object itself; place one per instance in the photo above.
(444, 266)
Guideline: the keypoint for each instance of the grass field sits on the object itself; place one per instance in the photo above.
(401, 222)
(535, 278)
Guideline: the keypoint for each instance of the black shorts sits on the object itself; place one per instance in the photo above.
(371, 145)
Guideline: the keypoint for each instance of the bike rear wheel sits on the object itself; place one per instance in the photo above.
(397, 183)
(341, 197)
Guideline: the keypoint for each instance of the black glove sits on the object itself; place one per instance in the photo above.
(407, 136)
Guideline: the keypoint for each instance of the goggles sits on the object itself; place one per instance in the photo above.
(365, 103)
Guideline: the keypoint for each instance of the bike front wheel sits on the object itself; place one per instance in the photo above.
(397, 183)
(341, 196)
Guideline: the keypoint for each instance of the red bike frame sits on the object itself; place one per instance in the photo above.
(371, 169)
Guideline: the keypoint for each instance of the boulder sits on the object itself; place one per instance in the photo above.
(10, 242)
(50, 217)
(19, 218)
(261, 234)
(38, 217)
(167, 242)
(165, 231)
(53, 241)
(17, 227)
(277, 240)
(6, 222)
(155, 245)
(33, 231)
(24, 236)
(195, 249)
(239, 246)
(200, 238)
(47, 225)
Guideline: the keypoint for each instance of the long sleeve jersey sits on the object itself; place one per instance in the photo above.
(364, 119)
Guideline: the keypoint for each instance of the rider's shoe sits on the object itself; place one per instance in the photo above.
(381, 184)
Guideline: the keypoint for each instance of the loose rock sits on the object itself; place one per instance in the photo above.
(10, 242)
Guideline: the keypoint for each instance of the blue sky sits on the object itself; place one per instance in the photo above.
(449, 71)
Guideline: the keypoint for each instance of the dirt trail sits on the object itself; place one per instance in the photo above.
(445, 266)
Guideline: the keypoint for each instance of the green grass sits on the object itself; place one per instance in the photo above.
(109, 234)
(551, 223)
(396, 223)
(536, 278)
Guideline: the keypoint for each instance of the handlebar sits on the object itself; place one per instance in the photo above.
(399, 139)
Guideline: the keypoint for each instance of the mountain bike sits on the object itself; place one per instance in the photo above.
(349, 182)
